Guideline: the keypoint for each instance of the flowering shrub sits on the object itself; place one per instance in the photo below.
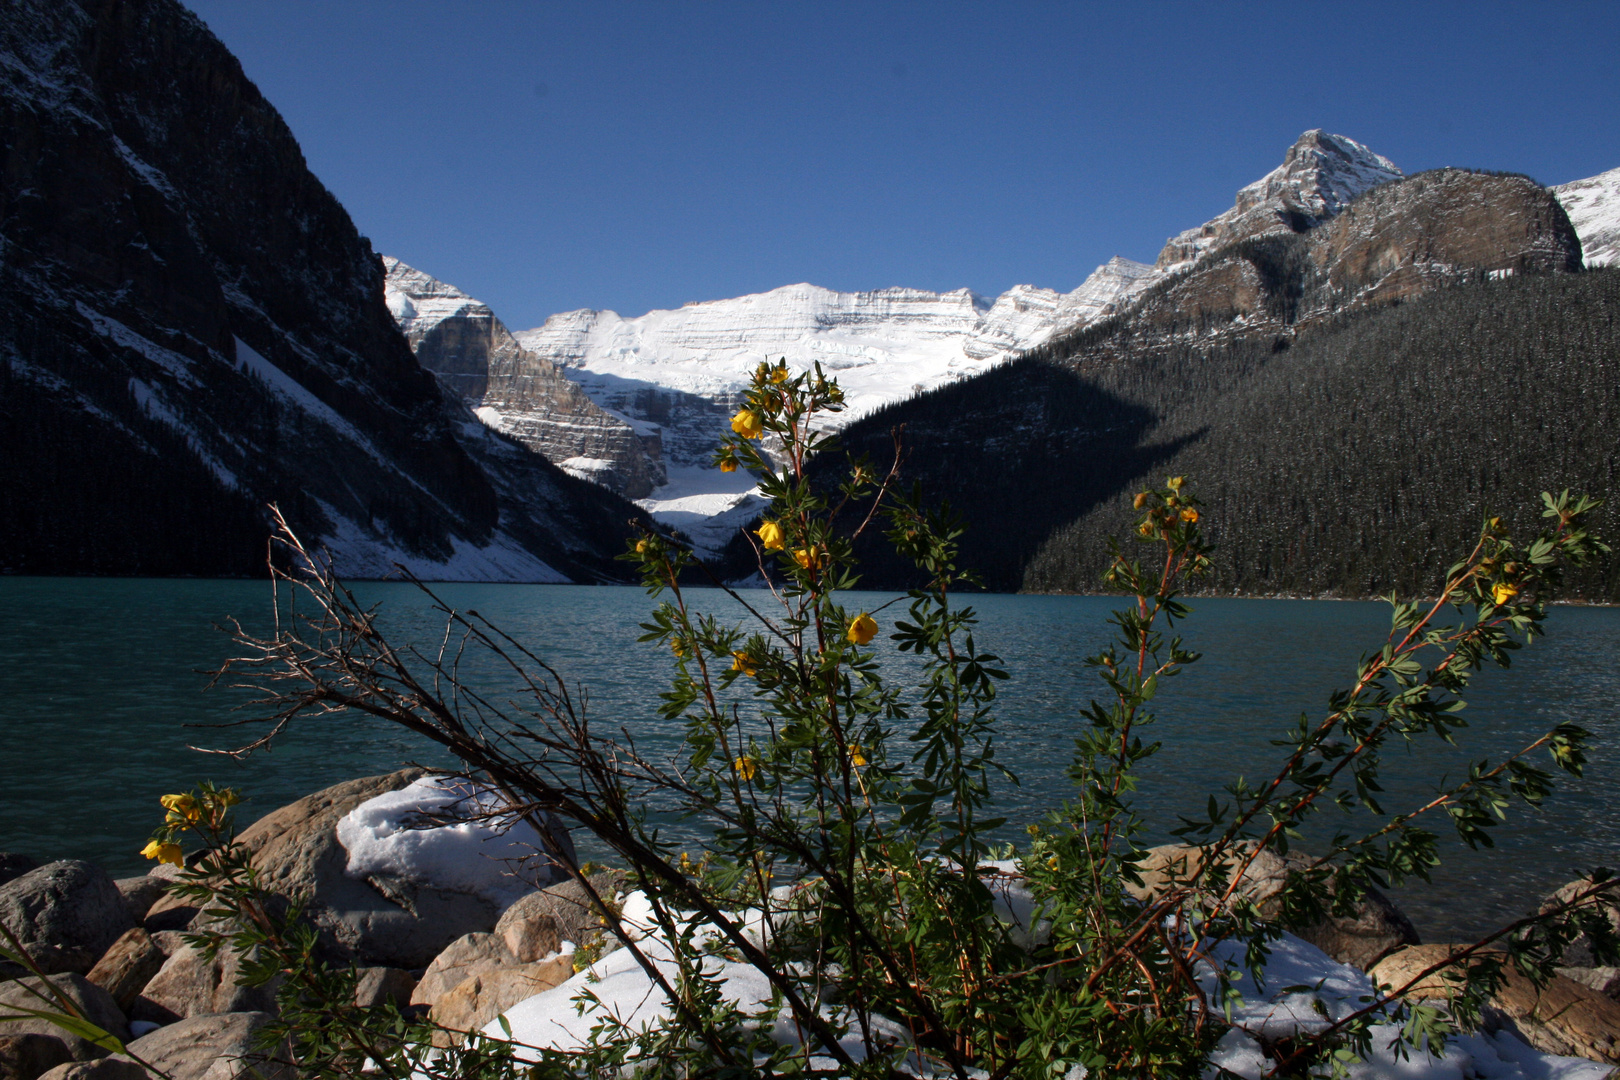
(848, 862)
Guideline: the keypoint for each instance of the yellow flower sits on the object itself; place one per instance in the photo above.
(856, 757)
(163, 853)
(746, 767)
(1052, 863)
(676, 647)
(1145, 529)
(741, 662)
(641, 547)
(770, 534)
(1189, 515)
(862, 628)
(748, 423)
(728, 465)
(1503, 593)
(779, 375)
(810, 556)
(181, 807)
(1175, 482)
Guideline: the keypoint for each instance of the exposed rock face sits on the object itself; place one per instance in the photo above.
(93, 1003)
(215, 1047)
(297, 853)
(1593, 206)
(65, 913)
(481, 997)
(1563, 1017)
(1320, 175)
(127, 967)
(190, 327)
(462, 959)
(538, 924)
(528, 397)
(190, 984)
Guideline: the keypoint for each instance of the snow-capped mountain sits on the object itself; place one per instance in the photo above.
(1320, 174)
(685, 370)
(1593, 206)
(473, 354)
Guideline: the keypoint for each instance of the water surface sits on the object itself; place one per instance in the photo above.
(103, 681)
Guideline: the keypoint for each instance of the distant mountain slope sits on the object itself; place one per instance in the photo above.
(190, 326)
(1230, 372)
(1593, 205)
(462, 342)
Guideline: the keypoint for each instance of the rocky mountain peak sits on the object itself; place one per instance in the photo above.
(1593, 206)
(1319, 176)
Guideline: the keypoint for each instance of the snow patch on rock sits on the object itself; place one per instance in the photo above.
(1593, 206)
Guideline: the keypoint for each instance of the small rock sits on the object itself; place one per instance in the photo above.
(140, 893)
(1375, 929)
(1562, 1017)
(116, 1067)
(127, 967)
(538, 923)
(14, 865)
(92, 1002)
(65, 913)
(481, 997)
(189, 984)
(23, 1057)
(381, 984)
(463, 958)
(209, 1048)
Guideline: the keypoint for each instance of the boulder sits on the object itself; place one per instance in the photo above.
(380, 921)
(535, 926)
(465, 957)
(65, 913)
(481, 997)
(14, 865)
(209, 1047)
(378, 985)
(24, 1057)
(92, 1002)
(116, 1067)
(1372, 931)
(168, 942)
(190, 984)
(1577, 961)
(1562, 1017)
(140, 893)
(127, 967)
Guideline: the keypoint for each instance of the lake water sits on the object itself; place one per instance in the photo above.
(101, 680)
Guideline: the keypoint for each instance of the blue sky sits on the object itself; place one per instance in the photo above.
(551, 156)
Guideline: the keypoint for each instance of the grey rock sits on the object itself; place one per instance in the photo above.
(91, 1001)
(140, 893)
(24, 1057)
(116, 1067)
(483, 996)
(65, 913)
(169, 942)
(382, 984)
(213, 1047)
(15, 865)
(190, 984)
(127, 967)
(463, 958)
(538, 923)
(297, 854)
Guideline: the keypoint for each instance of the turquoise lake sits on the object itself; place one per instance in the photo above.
(102, 684)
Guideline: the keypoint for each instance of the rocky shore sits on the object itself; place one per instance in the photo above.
(466, 950)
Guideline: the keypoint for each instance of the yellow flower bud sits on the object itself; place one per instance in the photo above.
(676, 647)
(642, 546)
(1175, 482)
(862, 629)
(1189, 515)
(810, 556)
(1503, 593)
(748, 423)
(728, 465)
(1145, 529)
(771, 535)
(1140, 500)
(746, 767)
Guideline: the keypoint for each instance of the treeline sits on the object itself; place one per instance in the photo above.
(1354, 458)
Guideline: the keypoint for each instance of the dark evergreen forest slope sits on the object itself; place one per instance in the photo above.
(1349, 458)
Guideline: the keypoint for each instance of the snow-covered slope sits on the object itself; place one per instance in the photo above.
(1593, 206)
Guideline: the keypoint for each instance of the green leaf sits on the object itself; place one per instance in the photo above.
(74, 1025)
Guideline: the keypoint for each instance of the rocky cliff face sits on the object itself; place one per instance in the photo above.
(190, 327)
(1319, 176)
(1593, 206)
(462, 342)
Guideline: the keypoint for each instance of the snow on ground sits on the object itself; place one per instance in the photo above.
(706, 504)
(1278, 1007)
(358, 552)
(394, 833)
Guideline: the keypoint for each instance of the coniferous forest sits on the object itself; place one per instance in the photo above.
(1350, 458)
